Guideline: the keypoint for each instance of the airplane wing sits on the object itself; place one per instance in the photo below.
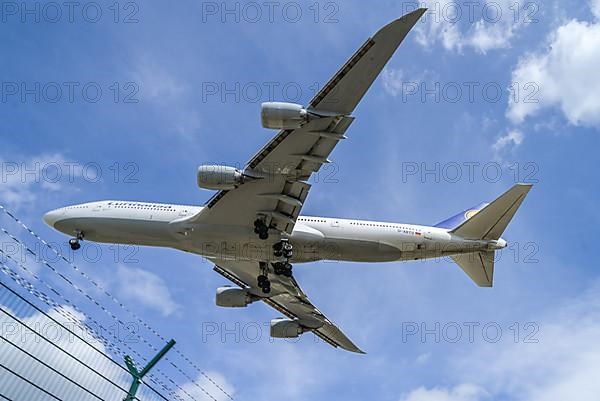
(292, 156)
(288, 298)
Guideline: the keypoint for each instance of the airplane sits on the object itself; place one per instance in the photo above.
(252, 230)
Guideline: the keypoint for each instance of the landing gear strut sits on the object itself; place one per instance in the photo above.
(261, 229)
(74, 242)
(263, 279)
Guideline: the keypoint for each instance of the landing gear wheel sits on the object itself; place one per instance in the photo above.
(264, 284)
(262, 280)
(282, 268)
(287, 271)
(278, 268)
(283, 249)
(74, 243)
(261, 229)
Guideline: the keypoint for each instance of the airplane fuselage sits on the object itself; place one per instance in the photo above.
(314, 238)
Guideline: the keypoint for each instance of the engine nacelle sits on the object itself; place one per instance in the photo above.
(219, 177)
(285, 328)
(278, 115)
(229, 297)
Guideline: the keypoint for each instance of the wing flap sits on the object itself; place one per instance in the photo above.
(287, 167)
(288, 298)
(285, 155)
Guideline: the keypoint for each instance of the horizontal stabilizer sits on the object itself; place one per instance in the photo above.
(478, 265)
(491, 221)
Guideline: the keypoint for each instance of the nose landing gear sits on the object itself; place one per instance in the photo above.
(74, 242)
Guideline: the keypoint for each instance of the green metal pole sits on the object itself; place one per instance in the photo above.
(137, 376)
(157, 358)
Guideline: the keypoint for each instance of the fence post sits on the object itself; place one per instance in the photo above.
(137, 375)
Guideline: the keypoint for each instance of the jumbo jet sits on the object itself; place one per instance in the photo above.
(252, 230)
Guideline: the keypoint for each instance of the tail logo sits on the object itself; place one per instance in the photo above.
(470, 213)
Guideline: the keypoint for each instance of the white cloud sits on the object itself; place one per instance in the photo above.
(392, 81)
(564, 74)
(595, 6)
(423, 358)
(160, 85)
(23, 337)
(395, 82)
(156, 83)
(562, 365)
(560, 361)
(462, 392)
(23, 180)
(509, 141)
(146, 288)
(481, 26)
(485, 36)
(203, 385)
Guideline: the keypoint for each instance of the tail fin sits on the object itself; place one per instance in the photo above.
(488, 224)
(491, 221)
(456, 220)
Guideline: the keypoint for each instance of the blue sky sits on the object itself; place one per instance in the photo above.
(191, 71)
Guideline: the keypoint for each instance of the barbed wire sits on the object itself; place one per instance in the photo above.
(103, 376)
(114, 348)
(116, 301)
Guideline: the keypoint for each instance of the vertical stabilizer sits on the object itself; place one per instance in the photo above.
(491, 221)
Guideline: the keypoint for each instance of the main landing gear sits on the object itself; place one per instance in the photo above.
(74, 242)
(283, 268)
(261, 229)
(283, 249)
(263, 279)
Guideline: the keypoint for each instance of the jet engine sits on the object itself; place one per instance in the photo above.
(278, 115)
(285, 328)
(219, 177)
(229, 297)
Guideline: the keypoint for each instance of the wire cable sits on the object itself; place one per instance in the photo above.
(113, 298)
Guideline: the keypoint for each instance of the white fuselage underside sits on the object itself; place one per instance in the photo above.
(313, 238)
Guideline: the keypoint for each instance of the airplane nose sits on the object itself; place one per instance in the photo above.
(53, 216)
